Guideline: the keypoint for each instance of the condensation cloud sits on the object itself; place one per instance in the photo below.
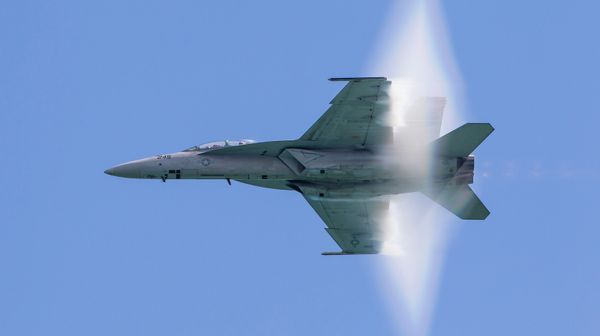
(414, 51)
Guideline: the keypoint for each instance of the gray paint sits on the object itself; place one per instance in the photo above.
(346, 165)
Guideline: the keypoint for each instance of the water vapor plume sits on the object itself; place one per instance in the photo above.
(414, 52)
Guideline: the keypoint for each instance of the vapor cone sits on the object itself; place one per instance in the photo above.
(414, 52)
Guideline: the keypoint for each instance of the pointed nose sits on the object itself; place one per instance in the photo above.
(130, 170)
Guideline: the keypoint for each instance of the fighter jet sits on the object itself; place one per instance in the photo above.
(348, 164)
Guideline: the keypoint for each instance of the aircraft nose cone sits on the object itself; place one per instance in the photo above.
(130, 170)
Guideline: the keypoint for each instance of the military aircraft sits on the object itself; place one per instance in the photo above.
(348, 164)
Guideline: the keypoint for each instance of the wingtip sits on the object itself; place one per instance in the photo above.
(347, 79)
(334, 253)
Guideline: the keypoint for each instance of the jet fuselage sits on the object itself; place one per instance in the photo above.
(343, 172)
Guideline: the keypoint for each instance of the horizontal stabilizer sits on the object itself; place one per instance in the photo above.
(462, 141)
(460, 200)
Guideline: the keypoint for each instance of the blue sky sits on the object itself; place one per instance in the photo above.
(85, 86)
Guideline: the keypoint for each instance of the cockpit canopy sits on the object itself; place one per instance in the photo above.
(218, 144)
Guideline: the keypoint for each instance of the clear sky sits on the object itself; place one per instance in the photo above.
(87, 85)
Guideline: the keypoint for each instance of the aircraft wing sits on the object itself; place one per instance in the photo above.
(356, 225)
(360, 116)
(357, 115)
(421, 120)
